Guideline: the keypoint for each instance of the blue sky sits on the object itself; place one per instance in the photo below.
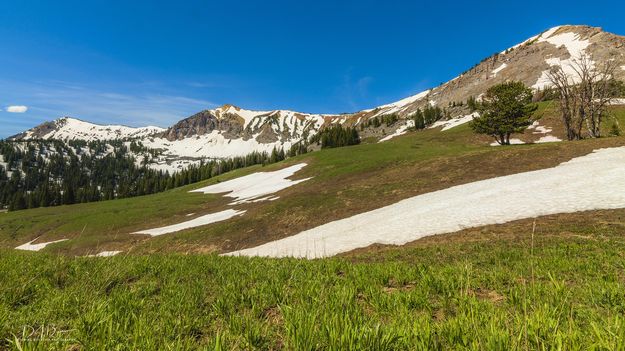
(155, 62)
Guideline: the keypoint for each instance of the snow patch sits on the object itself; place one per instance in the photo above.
(513, 141)
(581, 184)
(29, 246)
(197, 222)
(451, 123)
(548, 139)
(104, 254)
(256, 185)
(542, 130)
(576, 48)
(545, 34)
(401, 104)
(498, 69)
(400, 131)
(73, 129)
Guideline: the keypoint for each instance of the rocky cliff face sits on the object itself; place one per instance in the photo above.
(204, 123)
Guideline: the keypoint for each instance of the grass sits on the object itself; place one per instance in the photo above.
(346, 181)
(499, 287)
(509, 293)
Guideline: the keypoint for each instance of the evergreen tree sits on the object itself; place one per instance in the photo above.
(505, 109)
(336, 136)
(419, 120)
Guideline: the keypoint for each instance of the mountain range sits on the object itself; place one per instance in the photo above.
(230, 131)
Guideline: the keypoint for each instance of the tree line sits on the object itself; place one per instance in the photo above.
(427, 116)
(336, 136)
(52, 173)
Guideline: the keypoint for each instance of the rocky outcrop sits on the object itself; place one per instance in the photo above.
(39, 131)
(205, 122)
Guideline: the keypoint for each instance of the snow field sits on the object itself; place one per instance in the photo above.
(256, 185)
(590, 182)
(29, 246)
(196, 222)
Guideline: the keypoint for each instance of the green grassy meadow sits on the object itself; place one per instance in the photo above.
(552, 292)
(503, 287)
(345, 181)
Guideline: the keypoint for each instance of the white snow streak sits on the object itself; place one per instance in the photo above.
(576, 48)
(582, 184)
(401, 104)
(105, 254)
(196, 222)
(400, 131)
(451, 123)
(29, 246)
(498, 69)
(548, 139)
(72, 129)
(513, 141)
(545, 34)
(256, 185)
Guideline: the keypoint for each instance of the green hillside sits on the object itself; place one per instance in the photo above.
(346, 181)
(556, 282)
(561, 290)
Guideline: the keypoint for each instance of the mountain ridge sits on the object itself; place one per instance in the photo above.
(230, 130)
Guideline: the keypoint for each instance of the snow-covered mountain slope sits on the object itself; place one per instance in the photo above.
(230, 131)
(68, 128)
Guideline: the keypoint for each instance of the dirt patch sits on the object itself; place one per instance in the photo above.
(487, 295)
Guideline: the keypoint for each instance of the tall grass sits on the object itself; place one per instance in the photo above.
(557, 293)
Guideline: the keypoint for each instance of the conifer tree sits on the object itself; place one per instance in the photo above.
(505, 109)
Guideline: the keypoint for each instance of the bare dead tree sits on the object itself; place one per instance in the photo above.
(567, 98)
(584, 95)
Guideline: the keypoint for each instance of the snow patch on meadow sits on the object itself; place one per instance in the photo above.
(581, 184)
(196, 222)
(252, 188)
(256, 185)
(547, 139)
(400, 131)
(513, 141)
(451, 123)
(105, 254)
(29, 246)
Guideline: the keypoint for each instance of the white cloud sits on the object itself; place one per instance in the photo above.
(17, 109)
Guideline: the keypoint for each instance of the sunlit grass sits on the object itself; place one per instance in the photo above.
(566, 293)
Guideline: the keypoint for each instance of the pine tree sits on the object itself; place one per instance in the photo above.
(505, 109)
(419, 121)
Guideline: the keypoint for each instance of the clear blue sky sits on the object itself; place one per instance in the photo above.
(154, 62)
